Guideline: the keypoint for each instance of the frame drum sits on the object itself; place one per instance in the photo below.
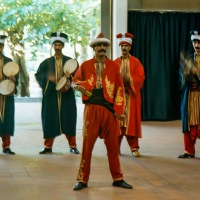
(7, 87)
(63, 85)
(70, 66)
(11, 69)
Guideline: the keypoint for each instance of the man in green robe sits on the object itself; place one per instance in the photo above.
(7, 104)
(59, 112)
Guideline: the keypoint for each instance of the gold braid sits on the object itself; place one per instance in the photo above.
(198, 61)
(2, 98)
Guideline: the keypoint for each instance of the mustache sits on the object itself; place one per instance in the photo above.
(124, 50)
(102, 50)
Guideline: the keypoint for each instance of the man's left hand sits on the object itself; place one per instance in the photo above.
(12, 78)
(67, 74)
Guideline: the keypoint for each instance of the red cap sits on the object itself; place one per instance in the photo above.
(100, 39)
(125, 38)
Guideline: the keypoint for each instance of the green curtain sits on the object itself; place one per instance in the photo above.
(159, 37)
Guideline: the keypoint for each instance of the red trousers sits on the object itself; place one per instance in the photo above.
(190, 139)
(132, 140)
(5, 141)
(48, 143)
(99, 122)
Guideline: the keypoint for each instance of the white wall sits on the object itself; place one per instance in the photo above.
(119, 23)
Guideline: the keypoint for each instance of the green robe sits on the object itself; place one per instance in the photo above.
(7, 126)
(56, 120)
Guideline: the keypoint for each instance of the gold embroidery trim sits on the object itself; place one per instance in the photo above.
(91, 79)
(119, 98)
(109, 87)
(2, 98)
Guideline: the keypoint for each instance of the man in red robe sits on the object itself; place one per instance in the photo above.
(133, 76)
(100, 83)
(190, 98)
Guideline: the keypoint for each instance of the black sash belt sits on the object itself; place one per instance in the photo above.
(97, 98)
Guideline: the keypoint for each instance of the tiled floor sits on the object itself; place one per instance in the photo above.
(157, 175)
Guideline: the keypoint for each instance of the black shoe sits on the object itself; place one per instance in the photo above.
(46, 150)
(74, 150)
(122, 184)
(80, 186)
(8, 151)
(186, 155)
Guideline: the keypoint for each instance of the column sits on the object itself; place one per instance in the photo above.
(119, 24)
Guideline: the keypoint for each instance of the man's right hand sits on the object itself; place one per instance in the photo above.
(52, 77)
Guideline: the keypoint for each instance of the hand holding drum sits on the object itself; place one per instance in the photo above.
(67, 74)
(69, 68)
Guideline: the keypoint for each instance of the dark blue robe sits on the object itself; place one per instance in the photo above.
(185, 85)
(55, 122)
(8, 125)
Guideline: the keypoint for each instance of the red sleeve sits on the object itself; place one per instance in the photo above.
(137, 75)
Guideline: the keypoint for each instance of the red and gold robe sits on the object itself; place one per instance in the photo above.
(112, 83)
(98, 120)
(133, 75)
